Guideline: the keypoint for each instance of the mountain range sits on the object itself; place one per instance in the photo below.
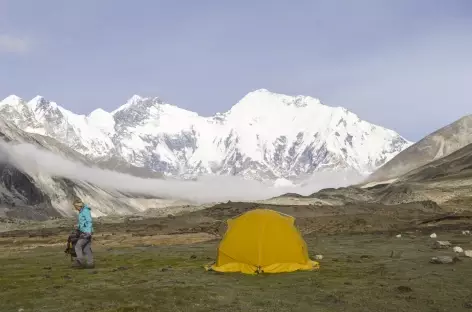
(265, 136)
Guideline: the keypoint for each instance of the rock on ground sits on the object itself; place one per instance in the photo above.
(468, 253)
(442, 244)
(442, 260)
(458, 249)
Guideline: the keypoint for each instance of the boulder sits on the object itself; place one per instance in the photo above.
(458, 249)
(442, 244)
(443, 260)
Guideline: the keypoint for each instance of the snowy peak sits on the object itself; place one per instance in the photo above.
(132, 101)
(12, 100)
(47, 118)
(138, 103)
(46, 111)
(41, 107)
(99, 111)
(16, 110)
(100, 114)
(264, 97)
(39, 101)
(146, 110)
(102, 120)
(279, 114)
(265, 104)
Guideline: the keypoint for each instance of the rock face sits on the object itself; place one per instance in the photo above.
(456, 165)
(434, 146)
(19, 192)
(16, 182)
(265, 136)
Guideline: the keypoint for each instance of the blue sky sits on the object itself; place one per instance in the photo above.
(403, 64)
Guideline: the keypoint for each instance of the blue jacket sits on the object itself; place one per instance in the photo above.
(85, 220)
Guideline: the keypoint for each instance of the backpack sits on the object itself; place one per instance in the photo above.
(71, 242)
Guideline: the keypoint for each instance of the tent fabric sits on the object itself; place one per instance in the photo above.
(262, 241)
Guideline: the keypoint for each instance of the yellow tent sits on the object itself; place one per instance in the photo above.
(262, 241)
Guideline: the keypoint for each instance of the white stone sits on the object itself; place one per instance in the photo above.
(433, 235)
(398, 236)
(468, 253)
(319, 257)
(458, 249)
(466, 232)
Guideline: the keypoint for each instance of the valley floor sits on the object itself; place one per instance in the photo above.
(359, 272)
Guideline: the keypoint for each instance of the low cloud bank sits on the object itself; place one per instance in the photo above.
(34, 161)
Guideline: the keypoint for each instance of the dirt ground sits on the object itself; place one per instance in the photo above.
(156, 264)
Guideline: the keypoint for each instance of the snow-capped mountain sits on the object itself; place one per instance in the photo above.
(264, 136)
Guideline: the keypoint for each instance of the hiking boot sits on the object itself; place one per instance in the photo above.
(89, 266)
(76, 265)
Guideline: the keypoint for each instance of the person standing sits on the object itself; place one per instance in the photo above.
(83, 248)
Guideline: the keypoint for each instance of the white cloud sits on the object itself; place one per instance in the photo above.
(33, 160)
(12, 44)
